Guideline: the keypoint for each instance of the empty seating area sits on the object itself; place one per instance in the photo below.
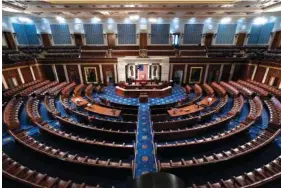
(148, 94)
(112, 140)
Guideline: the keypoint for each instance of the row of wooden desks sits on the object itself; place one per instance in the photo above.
(207, 101)
(103, 110)
(81, 102)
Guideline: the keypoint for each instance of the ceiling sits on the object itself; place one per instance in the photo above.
(144, 8)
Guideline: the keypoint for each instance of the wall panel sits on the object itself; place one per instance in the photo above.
(84, 74)
(240, 39)
(27, 75)
(273, 73)
(259, 74)
(105, 70)
(213, 73)
(9, 75)
(46, 39)
(47, 72)
(73, 74)
(60, 72)
(226, 72)
(189, 67)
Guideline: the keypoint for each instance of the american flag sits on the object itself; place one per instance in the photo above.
(143, 71)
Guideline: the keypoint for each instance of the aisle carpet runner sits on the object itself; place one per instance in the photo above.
(145, 151)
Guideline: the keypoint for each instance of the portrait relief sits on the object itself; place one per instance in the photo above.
(91, 74)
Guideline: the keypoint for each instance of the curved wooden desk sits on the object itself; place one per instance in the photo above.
(164, 92)
(103, 110)
(191, 108)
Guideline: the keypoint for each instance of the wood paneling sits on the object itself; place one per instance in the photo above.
(9, 75)
(26, 73)
(60, 72)
(47, 72)
(276, 42)
(105, 69)
(143, 40)
(240, 39)
(78, 39)
(10, 40)
(239, 72)
(259, 74)
(37, 72)
(273, 73)
(46, 39)
(250, 72)
(73, 74)
(225, 72)
(111, 39)
(208, 39)
(213, 73)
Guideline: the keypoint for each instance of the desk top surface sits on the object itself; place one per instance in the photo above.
(191, 108)
(79, 101)
(103, 110)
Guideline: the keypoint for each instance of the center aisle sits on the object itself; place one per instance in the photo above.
(145, 152)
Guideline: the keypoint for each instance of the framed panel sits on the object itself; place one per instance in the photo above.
(195, 75)
(91, 74)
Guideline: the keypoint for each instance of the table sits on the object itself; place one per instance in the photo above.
(79, 101)
(103, 110)
(191, 108)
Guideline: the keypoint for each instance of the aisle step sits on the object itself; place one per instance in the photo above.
(145, 160)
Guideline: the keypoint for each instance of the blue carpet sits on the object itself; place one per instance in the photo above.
(145, 153)
(109, 93)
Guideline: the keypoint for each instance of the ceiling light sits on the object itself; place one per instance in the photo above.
(95, 19)
(176, 20)
(260, 21)
(127, 20)
(240, 20)
(159, 20)
(143, 20)
(134, 17)
(60, 19)
(45, 20)
(192, 20)
(77, 20)
(8, 9)
(24, 20)
(225, 20)
(152, 20)
(110, 20)
(208, 20)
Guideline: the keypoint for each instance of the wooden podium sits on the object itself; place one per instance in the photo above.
(143, 98)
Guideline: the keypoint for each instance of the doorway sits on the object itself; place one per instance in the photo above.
(178, 75)
(213, 76)
(109, 77)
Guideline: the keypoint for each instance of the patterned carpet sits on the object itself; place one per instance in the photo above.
(109, 93)
(145, 151)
